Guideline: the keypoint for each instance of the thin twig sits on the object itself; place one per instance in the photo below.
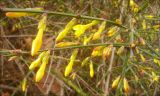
(106, 93)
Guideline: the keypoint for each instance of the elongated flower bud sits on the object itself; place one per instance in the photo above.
(68, 68)
(142, 58)
(67, 28)
(37, 62)
(91, 69)
(24, 84)
(41, 70)
(37, 42)
(16, 14)
(65, 44)
(126, 86)
(115, 82)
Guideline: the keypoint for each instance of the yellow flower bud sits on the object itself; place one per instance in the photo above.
(99, 32)
(91, 69)
(73, 76)
(126, 86)
(85, 61)
(115, 82)
(24, 84)
(142, 58)
(16, 14)
(37, 62)
(65, 44)
(155, 77)
(97, 51)
(37, 42)
(149, 16)
(68, 69)
(144, 25)
(41, 70)
(156, 61)
(86, 40)
(118, 21)
(40, 73)
(21, 14)
(111, 31)
(120, 50)
(67, 28)
(107, 51)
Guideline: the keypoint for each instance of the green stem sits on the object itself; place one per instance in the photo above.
(69, 47)
(60, 14)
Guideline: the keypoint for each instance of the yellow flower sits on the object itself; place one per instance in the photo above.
(80, 29)
(24, 84)
(67, 28)
(126, 86)
(97, 51)
(91, 69)
(115, 82)
(37, 42)
(99, 32)
(155, 77)
(107, 51)
(111, 31)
